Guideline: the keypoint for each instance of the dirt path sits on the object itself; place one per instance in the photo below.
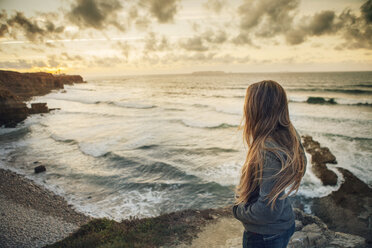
(226, 232)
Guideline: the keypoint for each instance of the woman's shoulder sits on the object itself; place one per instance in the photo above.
(273, 154)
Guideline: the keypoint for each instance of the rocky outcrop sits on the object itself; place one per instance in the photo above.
(16, 87)
(348, 209)
(313, 232)
(37, 108)
(320, 156)
(26, 85)
(320, 100)
(40, 168)
(12, 109)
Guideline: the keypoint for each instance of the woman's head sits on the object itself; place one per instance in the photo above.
(265, 109)
(266, 118)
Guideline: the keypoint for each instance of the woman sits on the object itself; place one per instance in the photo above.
(275, 162)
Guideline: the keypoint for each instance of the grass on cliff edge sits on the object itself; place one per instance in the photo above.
(164, 230)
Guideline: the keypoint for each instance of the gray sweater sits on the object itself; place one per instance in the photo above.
(256, 215)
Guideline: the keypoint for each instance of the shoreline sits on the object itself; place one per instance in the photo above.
(32, 216)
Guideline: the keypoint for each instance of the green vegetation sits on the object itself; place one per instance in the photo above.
(165, 230)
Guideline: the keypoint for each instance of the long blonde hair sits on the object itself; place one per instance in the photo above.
(266, 118)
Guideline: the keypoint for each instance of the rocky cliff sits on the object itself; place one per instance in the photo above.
(16, 87)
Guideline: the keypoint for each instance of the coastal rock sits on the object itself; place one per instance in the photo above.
(40, 168)
(315, 233)
(320, 100)
(320, 156)
(12, 110)
(327, 176)
(16, 87)
(26, 85)
(37, 108)
(349, 209)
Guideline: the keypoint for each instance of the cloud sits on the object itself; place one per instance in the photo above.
(244, 38)
(105, 61)
(215, 5)
(97, 14)
(195, 43)
(270, 17)
(366, 9)
(52, 61)
(142, 23)
(35, 31)
(324, 22)
(355, 30)
(21, 64)
(66, 56)
(217, 37)
(163, 10)
(124, 47)
(204, 41)
(153, 43)
(3, 30)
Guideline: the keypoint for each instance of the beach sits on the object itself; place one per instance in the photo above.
(31, 216)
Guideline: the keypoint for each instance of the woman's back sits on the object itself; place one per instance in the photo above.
(257, 214)
(274, 167)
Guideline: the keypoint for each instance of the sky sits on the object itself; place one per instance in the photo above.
(101, 37)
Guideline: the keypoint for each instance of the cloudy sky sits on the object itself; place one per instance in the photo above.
(177, 36)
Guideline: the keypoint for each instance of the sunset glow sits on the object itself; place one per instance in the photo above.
(154, 36)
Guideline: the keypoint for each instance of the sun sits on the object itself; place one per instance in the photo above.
(53, 70)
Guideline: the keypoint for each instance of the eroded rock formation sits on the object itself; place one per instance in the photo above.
(313, 232)
(12, 109)
(320, 156)
(348, 209)
(17, 87)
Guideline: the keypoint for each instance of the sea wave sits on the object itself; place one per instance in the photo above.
(13, 133)
(312, 186)
(135, 105)
(198, 105)
(327, 101)
(206, 126)
(127, 104)
(363, 84)
(345, 91)
(204, 151)
(63, 140)
(346, 137)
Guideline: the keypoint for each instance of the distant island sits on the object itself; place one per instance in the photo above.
(208, 73)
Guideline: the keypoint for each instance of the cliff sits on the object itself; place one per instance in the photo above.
(16, 87)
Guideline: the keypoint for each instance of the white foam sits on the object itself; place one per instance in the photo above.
(198, 124)
(136, 105)
(311, 186)
(97, 149)
(226, 174)
(146, 203)
(230, 110)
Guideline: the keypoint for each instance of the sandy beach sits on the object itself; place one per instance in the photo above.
(31, 216)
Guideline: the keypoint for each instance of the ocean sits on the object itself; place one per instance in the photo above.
(146, 145)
